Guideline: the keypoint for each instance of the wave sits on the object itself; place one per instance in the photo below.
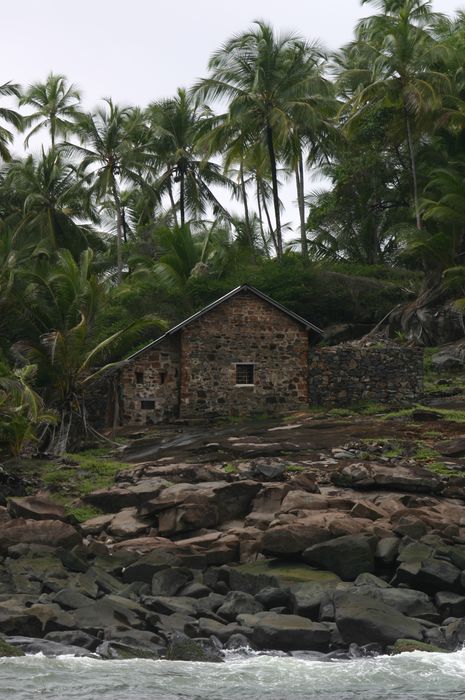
(428, 676)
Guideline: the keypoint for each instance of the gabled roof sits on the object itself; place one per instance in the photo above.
(243, 288)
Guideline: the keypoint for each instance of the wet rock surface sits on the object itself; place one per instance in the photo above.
(338, 547)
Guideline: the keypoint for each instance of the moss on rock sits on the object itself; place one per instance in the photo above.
(9, 650)
(403, 645)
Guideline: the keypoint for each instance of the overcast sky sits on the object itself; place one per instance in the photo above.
(139, 50)
(136, 51)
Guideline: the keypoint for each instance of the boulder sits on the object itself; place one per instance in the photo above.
(293, 538)
(127, 523)
(452, 448)
(169, 581)
(286, 632)
(380, 476)
(182, 648)
(271, 597)
(386, 549)
(76, 638)
(362, 620)
(148, 565)
(307, 598)
(125, 495)
(450, 604)
(36, 508)
(51, 532)
(346, 556)
(302, 500)
(31, 645)
(237, 603)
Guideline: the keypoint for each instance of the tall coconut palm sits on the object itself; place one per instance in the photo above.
(56, 105)
(10, 117)
(114, 150)
(267, 81)
(54, 204)
(177, 124)
(400, 56)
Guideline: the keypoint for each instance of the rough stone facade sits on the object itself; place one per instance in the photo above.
(245, 329)
(150, 384)
(346, 374)
(246, 355)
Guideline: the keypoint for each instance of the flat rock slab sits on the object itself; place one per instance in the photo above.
(286, 632)
(363, 620)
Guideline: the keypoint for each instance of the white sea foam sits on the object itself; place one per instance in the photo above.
(409, 676)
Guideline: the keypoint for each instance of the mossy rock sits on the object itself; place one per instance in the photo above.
(9, 650)
(288, 572)
(182, 648)
(403, 645)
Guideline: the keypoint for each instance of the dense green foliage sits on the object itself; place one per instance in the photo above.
(129, 215)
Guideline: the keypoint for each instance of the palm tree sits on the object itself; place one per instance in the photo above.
(177, 124)
(268, 80)
(68, 300)
(56, 104)
(400, 55)
(54, 203)
(115, 150)
(9, 116)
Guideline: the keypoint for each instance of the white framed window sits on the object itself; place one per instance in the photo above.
(245, 374)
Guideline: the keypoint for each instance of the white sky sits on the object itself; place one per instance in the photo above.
(137, 51)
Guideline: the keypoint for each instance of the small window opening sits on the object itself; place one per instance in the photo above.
(244, 374)
(162, 377)
(139, 377)
(147, 405)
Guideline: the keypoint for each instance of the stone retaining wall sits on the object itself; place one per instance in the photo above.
(346, 374)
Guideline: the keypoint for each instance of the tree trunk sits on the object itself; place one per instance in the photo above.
(246, 205)
(413, 169)
(119, 233)
(260, 221)
(268, 218)
(299, 178)
(181, 198)
(274, 183)
(173, 203)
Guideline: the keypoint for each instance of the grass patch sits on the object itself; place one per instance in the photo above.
(230, 469)
(447, 414)
(295, 468)
(74, 476)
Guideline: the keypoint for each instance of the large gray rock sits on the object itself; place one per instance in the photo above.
(346, 556)
(46, 647)
(293, 538)
(54, 533)
(409, 602)
(379, 476)
(286, 632)
(168, 582)
(149, 564)
(307, 598)
(364, 620)
(237, 603)
(36, 508)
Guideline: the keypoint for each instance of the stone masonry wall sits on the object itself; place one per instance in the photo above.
(152, 376)
(346, 374)
(244, 329)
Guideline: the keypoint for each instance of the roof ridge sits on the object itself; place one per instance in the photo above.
(221, 300)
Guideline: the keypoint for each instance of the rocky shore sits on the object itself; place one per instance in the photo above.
(276, 540)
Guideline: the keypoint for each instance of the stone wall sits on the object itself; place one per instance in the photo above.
(243, 329)
(346, 374)
(150, 384)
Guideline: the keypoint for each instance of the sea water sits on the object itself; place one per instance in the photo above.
(410, 676)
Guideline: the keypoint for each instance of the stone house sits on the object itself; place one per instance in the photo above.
(243, 354)
(246, 354)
